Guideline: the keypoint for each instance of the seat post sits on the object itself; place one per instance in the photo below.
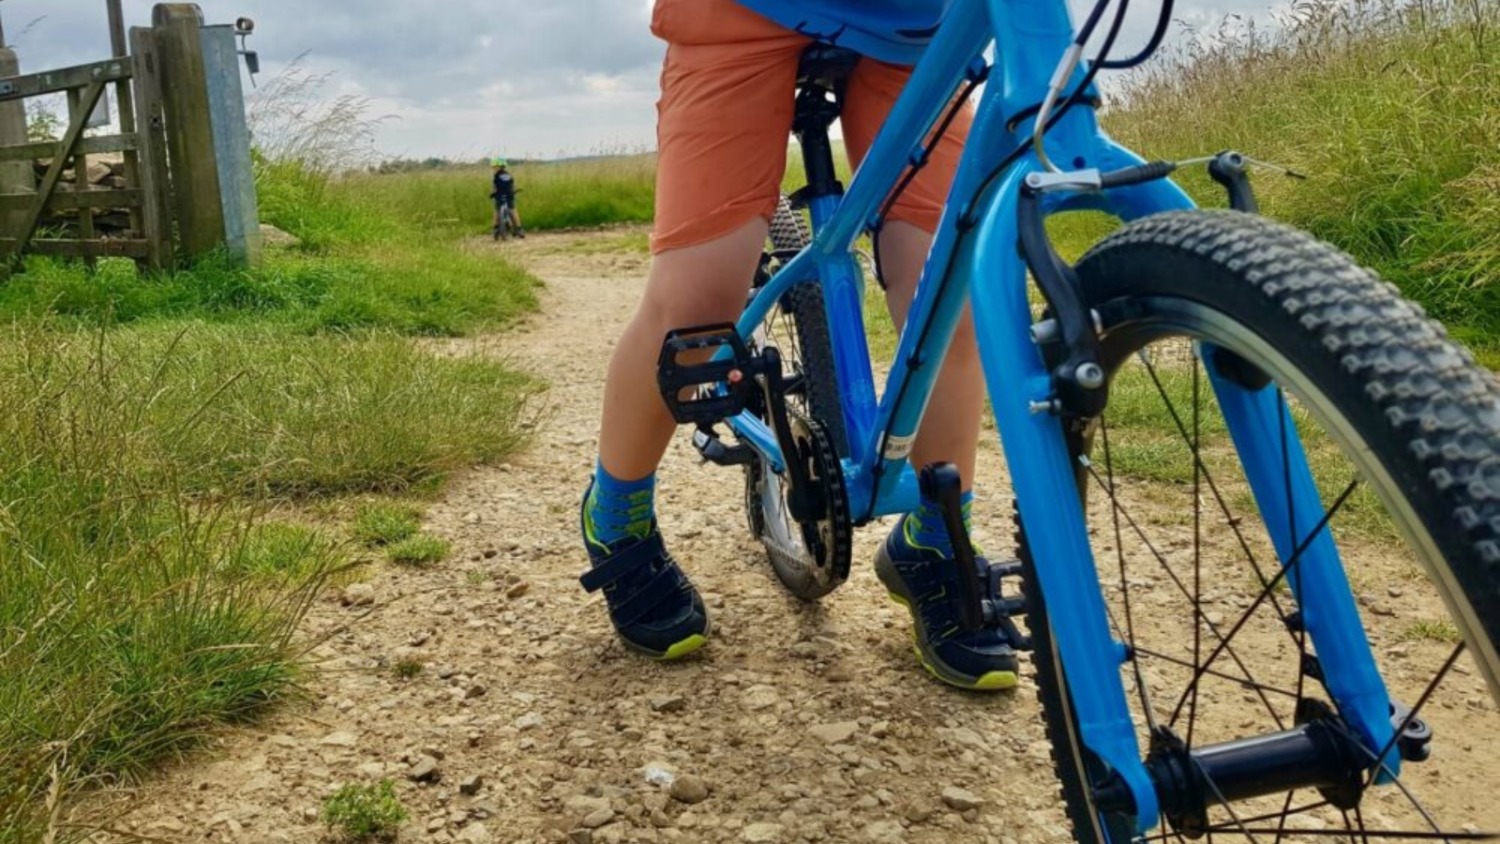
(817, 107)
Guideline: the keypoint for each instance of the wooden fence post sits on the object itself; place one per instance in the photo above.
(190, 134)
(151, 137)
(15, 176)
(125, 99)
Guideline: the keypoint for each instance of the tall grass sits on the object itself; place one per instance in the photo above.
(142, 599)
(318, 416)
(122, 637)
(554, 195)
(1388, 106)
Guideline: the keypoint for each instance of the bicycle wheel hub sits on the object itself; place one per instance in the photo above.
(1319, 753)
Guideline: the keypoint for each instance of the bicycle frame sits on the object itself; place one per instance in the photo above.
(974, 261)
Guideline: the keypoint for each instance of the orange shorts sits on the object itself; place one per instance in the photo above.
(725, 116)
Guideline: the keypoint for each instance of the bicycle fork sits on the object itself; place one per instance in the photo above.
(1024, 398)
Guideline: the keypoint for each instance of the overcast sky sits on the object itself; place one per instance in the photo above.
(461, 78)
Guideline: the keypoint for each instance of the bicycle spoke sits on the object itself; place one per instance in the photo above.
(1281, 824)
(1411, 716)
(1242, 682)
(1213, 486)
(1359, 818)
(1381, 833)
(1230, 827)
(1381, 766)
(1417, 804)
(1181, 587)
(1207, 695)
(1291, 565)
(1239, 825)
(1140, 680)
(1291, 520)
(1197, 550)
(1286, 813)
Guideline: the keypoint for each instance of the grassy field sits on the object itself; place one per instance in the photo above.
(567, 194)
(178, 458)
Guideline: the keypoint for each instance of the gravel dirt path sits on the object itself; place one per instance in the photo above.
(530, 723)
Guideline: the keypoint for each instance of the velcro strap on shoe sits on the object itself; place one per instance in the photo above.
(627, 562)
(642, 601)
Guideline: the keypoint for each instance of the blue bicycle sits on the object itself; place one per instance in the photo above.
(1258, 493)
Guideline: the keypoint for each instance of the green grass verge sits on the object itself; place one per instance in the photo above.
(142, 597)
(258, 412)
(356, 270)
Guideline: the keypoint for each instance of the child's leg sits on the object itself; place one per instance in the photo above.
(695, 285)
(915, 562)
(724, 115)
(952, 433)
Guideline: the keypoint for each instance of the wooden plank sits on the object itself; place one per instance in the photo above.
(46, 149)
(125, 98)
(86, 104)
(156, 209)
(63, 79)
(81, 172)
(70, 200)
(106, 248)
(199, 208)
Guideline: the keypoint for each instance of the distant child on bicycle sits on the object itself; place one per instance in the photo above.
(504, 195)
(725, 113)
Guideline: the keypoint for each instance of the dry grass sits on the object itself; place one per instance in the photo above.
(1389, 106)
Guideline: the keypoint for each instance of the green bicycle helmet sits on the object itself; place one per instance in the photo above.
(499, 162)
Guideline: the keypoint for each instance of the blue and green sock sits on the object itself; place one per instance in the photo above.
(617, 509)
(925, 527)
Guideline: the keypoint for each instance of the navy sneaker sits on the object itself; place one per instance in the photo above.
(652, 604)
(926, 582)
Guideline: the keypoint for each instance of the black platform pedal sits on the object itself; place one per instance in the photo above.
(699, 386)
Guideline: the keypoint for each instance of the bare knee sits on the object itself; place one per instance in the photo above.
(705, 283)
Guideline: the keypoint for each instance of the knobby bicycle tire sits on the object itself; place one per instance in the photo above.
(1420, 404)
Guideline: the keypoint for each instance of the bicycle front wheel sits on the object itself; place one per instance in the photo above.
(1401, 430)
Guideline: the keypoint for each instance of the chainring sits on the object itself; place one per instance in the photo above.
(810, 558)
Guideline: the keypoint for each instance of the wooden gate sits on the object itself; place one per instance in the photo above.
(185, 182)
(141, 188)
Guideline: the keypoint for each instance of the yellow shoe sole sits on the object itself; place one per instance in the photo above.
(683, 648)
(993, 681)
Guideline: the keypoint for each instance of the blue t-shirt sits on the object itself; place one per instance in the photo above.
(889, 30)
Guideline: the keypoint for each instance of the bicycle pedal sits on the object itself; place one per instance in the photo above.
(714, 450)
(707, 387)
(1009, 606)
